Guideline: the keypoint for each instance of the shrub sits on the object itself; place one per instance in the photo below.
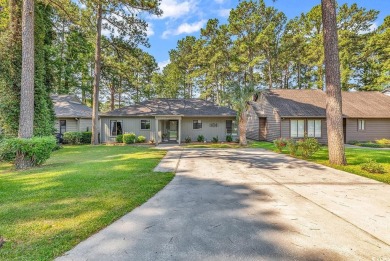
(373, 167)
(371, 145)
(215, 139)
(308, 146)
(381, 141)
(86, 137)
(280, 144)
(292, 147)
(72, 137)
(200, 138)
(141, 139)
(129, 138)
(1, 137)
(119, 138)
(354, 142)
(37, 150)
(229, 138)
(188, 139)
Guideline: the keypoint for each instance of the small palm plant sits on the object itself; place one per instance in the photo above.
(240, 95)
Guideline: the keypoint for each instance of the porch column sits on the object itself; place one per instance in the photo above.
(156, 133)
(179, 130)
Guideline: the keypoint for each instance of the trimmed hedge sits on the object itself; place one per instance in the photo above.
(141, 139)
(37, 149)
(200, 138)
(119, 138)
(72, 138)
(129, 138)
(86, 137)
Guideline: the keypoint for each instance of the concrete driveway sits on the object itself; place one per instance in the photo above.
(251, 205)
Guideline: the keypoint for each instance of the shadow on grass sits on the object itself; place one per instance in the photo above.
(47, 210)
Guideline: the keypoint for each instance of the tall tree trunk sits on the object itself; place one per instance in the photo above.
(26, 120)
(112, 96)
(96, 81)
(26, 117)
(242, 121)
(334, 117)
(269, 72)
(120, 92)
(299, 75)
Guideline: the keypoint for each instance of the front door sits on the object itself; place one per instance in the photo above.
(173, 130)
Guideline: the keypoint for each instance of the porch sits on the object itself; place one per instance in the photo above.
(168, 129)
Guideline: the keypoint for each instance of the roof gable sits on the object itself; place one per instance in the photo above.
(69, 106)
(185, 107)
(312, 103)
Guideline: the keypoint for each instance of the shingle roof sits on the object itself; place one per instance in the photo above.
(312, 103)
(69, 106)
(186, 107)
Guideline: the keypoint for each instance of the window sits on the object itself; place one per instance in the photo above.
(231, 127)
(145, 124)
(361, 125)
(314, 128)
(116, 128)
(62, 126)
(196, 124)
(297, 128)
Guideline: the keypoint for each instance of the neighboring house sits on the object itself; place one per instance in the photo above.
(292, 113)
(386, 91)
(71, 114)
(170, 120)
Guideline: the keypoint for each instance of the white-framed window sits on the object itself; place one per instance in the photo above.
(145, 124)
(116, 128)
(231, 127)
(314, 128)
(297, 128)
(196, 124)
(361, 125)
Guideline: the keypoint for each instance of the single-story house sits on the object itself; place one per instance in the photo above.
(170, 120)
(71, 114)
(291, 113)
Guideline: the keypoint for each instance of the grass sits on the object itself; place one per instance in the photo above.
(355, 157)
(48, 210)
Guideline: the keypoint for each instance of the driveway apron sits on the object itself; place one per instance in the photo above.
(251, 205)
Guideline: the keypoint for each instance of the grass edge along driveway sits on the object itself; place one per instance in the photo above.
(355, 157)
(48, 210)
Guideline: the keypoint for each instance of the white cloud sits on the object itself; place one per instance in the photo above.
(150, 31)
(185, 28)
(162, 64)
(224, 12)
(373, 27)
(176, 9)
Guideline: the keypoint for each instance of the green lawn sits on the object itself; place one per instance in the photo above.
(80, 190)
(354, 158)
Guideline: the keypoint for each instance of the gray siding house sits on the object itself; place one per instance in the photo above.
(290, 113)
(169, 120)
(71, 114)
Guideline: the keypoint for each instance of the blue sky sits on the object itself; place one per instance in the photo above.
(186, 17)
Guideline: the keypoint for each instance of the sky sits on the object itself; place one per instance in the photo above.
(186, 17)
